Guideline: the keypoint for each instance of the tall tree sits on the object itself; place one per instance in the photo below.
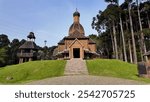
(143, 47)
(127, 24)
(108, 19)
(147, 11)
(132, 32)
(121, 27)
(113, 27)
(125, 17)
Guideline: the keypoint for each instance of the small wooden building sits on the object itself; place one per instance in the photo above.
(76, 44)
(28, 51)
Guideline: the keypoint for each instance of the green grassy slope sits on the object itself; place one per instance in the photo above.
(32, 71)
(114, 68)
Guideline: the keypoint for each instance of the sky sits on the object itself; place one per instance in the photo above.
(48, 19)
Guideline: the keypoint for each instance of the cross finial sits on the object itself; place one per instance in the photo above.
(76, 9)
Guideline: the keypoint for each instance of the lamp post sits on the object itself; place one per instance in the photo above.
(45, 42)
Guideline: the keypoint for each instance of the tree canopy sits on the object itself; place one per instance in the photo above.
(126, 28)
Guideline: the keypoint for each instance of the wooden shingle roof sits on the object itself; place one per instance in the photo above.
(76, 28)
(28, 45)
(62, 41)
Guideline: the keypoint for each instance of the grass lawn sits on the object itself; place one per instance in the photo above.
(34, 70)
(114, 68)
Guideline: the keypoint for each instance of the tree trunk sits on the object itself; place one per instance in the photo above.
(148, 21)
(143, 46)
(130, 51)
(129, 42)
(141, 54)
(148, 18)
(122, 35)
(132, 35)
(120, 54)
(115, 40)
(123, 40)
(112, 40)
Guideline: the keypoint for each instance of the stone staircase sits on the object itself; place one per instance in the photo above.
(76, 67)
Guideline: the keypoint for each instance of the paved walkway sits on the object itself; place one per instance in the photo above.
(76, 67)
(85, 80)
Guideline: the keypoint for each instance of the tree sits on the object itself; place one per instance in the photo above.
(121, 22)
(4, 41)
(121, 27)
(146, 10)
(3, 56)
(143, 47)
(132, 32)
(125, 17)
(111, 12)
(97, 40)
(14, 46)
(108, 19)
(103, 44)
(4, 48)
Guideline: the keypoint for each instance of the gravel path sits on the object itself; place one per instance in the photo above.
(85, 80)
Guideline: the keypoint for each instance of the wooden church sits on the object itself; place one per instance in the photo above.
(76, 44)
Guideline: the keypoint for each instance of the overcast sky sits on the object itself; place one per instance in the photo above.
(48, 19)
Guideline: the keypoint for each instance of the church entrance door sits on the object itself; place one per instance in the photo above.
(76, 52)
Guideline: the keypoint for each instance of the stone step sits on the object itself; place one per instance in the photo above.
(76, 67)
(72, 71)
(82, 73)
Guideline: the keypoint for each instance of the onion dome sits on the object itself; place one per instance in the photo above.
(76, 14)
(31, 35)
(76, 27)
